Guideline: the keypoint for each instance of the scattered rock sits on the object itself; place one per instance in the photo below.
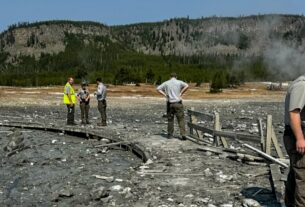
(148, 162)
(248, 202)
(202, 200)
(99, 193)
(108, 179)
(208, 172)
(170, 199)
(226, 205)
(65, 193)
(221, 178)
(15, 141)
(116, 188)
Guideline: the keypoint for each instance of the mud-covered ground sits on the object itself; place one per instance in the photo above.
(60, 169)
(63, 172)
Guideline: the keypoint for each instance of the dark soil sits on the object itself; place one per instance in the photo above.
(60, 173)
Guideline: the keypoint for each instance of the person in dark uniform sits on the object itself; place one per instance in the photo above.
(83, 97)
(295, 143)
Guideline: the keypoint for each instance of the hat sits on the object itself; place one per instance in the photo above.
(84, 83)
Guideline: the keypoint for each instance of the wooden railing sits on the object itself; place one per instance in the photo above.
(220, 137)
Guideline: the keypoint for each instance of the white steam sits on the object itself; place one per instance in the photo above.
(285, 61)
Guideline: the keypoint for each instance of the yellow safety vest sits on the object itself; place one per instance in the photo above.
(72, 94)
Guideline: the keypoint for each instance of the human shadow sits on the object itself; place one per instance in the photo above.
(263, 196)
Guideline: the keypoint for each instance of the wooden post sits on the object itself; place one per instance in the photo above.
(269, 134)
(276, 144)
(277, 185)
(191, 121)
(195, 121)
(261, 133)
(217, 127)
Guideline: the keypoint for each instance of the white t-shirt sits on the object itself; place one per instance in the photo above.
(172, 88)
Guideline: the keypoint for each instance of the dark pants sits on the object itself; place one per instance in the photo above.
(70, 115)
(84, 109)
(167, 108)
(295, 185)
(102, 105)
(176, 109)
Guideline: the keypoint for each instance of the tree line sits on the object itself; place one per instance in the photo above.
(116, 64)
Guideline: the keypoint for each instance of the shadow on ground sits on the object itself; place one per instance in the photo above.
(262, 195)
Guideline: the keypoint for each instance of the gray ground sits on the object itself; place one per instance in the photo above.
(61, 173)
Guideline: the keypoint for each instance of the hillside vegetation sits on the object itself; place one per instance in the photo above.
(225, 51)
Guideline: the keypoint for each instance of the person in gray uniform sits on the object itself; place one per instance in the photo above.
(101, 94)
(173, 89)
(83, 97)
(295, 143)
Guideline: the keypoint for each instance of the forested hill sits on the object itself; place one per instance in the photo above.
(43, 52)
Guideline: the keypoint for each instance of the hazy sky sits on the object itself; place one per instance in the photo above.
(113, 12)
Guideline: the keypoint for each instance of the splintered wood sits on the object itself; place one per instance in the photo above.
(277, 183)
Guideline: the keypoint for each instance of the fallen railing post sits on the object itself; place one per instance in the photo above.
(265, 155)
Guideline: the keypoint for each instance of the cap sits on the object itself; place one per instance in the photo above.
(84, 83)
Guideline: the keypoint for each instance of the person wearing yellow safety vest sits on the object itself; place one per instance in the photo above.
(69, 101)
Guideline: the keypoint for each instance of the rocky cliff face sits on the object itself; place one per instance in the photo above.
(45, 38)
(244, 36)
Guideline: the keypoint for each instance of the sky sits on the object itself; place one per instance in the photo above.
(118, 12)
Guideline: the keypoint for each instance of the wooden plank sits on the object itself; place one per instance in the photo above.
(215, 150)
(195, 140)
(195, 121)
(231, 154)
(269, 134)
(277, 185)
(191, 121)
(227, 134)
(200, 141)
(238, 136)
(113, 144)
(205, 116)
(198, 135)
(276, 144)
(170, 174)
(261, 133)
(200, 128)
(265, 155)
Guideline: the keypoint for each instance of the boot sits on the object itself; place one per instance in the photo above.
(102, 124)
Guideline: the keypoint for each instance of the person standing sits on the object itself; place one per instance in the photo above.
(173, 89)
(69, 100)
(83, 97)
(295, 143)
(101, 94)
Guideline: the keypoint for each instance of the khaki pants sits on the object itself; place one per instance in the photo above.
(295, 185)
(70, 114)
(84, 109)
(175, 109)
(102, 105)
